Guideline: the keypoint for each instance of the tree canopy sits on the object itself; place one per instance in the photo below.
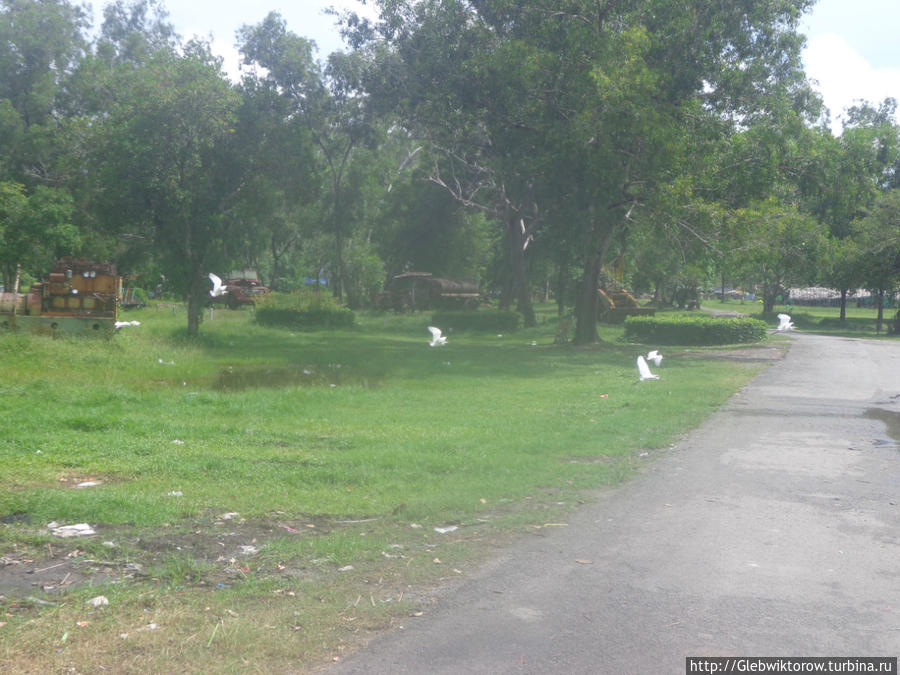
(516, 143)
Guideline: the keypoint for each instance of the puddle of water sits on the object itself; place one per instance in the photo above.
(236, 379)
(891, 421)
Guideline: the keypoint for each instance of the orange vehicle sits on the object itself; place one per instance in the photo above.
(81, 296)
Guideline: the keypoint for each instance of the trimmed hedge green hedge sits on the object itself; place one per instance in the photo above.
(694, 330)
(303, 310)
(480, 320)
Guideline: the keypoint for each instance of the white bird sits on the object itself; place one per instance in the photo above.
(644, 370)
(218, 287)
(655, 356)
(122, 324)
(436, 337)
(785, 322)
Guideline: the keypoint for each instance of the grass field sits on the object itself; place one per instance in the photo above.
(859, 322)
(263, 499)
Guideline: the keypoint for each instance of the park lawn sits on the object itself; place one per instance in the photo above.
(859, 321)
(264, 498)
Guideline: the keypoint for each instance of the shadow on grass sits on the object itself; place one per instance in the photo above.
(249, 356)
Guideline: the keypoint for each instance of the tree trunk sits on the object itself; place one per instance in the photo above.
(587, 303)
(562, 286)
(518, 242)
(276, 264)
(770, 296)
(843, 305)
(337, 281)
(880, 323)
(196, 295)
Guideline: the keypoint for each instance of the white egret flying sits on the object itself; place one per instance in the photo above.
(436, 337)
(218, 287)
(644, 370)
(655, 356)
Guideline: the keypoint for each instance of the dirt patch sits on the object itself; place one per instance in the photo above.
(215, 551)
(756, 353)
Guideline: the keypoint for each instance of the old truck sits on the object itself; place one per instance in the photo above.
(80, 297)
(421, 290)
(242, 287)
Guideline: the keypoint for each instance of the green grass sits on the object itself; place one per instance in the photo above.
(859, 321)
(336, 449)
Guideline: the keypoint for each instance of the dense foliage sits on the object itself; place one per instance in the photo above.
(694, 330)
(481, 320)
(530, 146)
(302, 310)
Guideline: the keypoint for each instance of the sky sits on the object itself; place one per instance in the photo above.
(852, 48)
(852, 52)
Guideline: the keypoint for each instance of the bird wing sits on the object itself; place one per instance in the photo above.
(644, 369)
(784, 318)
(217, 284)
(652, 355)
(435, 332)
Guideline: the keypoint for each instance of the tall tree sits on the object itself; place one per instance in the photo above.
(878, 236)
(577, 110)
(784, 247)
(34, 229)
(844, 177)
(281, 204)
(40, 45)
(327, 103)
(165, 157)
(40, 42)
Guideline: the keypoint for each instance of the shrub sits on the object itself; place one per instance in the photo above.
(482, 320)
(303, 310)
(694, 330)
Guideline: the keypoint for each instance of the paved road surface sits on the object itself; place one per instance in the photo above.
(773, 530)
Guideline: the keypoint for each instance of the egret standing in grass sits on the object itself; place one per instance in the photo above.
(436, 337)
(644, 370)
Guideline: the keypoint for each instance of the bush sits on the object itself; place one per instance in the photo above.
(483, 320)
(303, 310)
(694, 330)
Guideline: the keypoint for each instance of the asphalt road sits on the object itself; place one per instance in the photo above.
(772, 530)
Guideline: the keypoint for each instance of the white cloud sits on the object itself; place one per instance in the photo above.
(843, 76)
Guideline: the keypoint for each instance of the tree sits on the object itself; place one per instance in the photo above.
(424, 229)
(35, 229)
(329, 105)
(784, 247)
(165, 158)
(843, 178)
(40, 41)
(280, 207)
(40, 45)
(133, 31)
(572, 113)
(878, 236)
